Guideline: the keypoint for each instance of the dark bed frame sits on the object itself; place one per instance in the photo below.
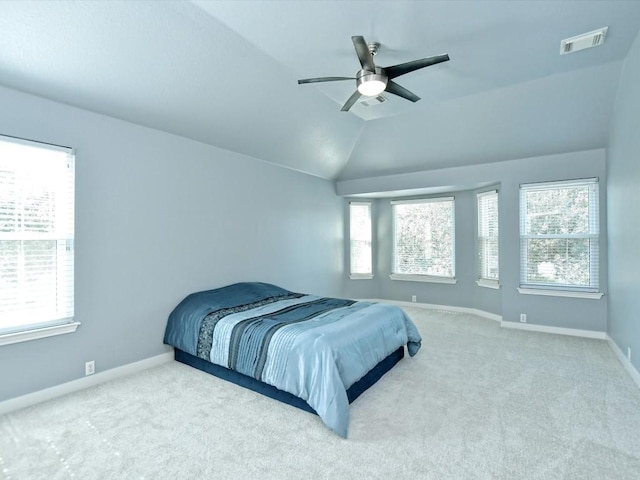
(270, 391)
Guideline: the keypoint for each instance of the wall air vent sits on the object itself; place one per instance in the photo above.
(371, 101)
(580, 42)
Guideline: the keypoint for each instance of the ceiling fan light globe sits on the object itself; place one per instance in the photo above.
(371, 84)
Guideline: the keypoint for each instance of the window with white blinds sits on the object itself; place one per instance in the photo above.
(559, 235)
(488, 238)
(360, 240)
(424, 238)
(36, 236)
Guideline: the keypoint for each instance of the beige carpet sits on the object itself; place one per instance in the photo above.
(477, 402)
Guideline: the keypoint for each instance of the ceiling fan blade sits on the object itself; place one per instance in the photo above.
(323, 79)
(402, 68)
(393, 87)
(364, 55)
(352, 99)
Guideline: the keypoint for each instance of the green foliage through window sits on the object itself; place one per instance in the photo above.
(36, 235)
(559, 235)
(488, 235)
(424, 237)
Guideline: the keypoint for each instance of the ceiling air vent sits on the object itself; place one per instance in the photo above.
(370, 101)
(580, 42)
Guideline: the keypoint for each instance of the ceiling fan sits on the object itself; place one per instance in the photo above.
(372, 80)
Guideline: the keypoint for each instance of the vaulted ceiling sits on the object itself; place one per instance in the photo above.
(225, 73)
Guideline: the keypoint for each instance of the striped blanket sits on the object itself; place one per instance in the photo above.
(313, 347)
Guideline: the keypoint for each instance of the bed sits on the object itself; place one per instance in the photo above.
(316, 353)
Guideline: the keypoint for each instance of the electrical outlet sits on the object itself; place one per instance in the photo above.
(414, 298)
(523, 317)
(90, 368)
(629, 353)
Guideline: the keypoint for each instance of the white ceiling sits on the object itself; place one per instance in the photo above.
(224, 73)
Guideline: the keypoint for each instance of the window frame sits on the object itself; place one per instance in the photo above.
(484, 280)
(564, 290)
(55, 320)
(416, 277)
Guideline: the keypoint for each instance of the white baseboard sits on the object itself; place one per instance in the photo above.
(631, 370)
(82, 383)
(498, 318)
(108, 375)
(433, 306)
(574, 332)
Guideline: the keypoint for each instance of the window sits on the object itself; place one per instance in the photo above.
(424, 240)
(488, 239)
(360, 240)
(559, 236)
(36, 240)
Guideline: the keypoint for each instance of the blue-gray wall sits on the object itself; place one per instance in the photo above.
(575, 313)
(157, 217)
(623, 170)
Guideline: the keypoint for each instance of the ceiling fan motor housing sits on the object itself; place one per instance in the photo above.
(365, 78)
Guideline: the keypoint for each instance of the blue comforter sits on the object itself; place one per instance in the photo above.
(310, 346)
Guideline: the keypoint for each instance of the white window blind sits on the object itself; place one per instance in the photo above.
(488, 235)
(360, 240)
(424, 237)
(36, 235)
(559, 235)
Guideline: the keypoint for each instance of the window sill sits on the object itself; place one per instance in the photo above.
(482, 282)
(422, 278)
(360, 276)
(34, 334)
(561, 293)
